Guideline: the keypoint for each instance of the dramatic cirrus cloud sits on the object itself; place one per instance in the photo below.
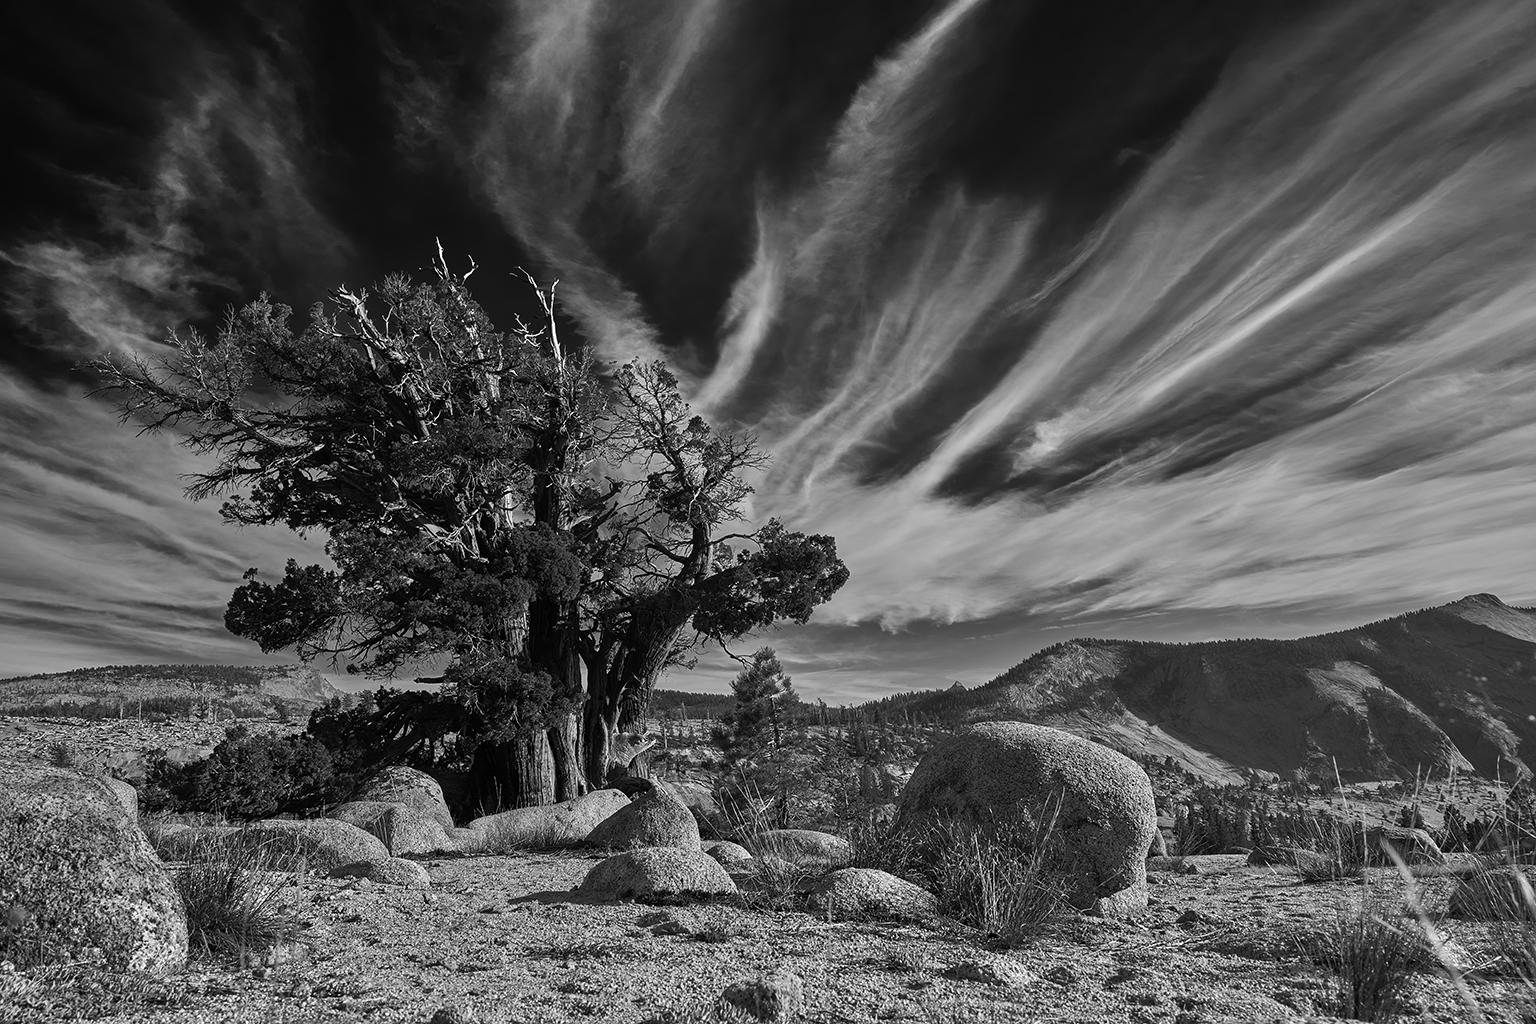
(1063, 316)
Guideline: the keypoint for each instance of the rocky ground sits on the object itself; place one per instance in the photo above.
(505, 940)
(95, 745)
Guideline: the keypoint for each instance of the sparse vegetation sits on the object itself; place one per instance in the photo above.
(1330, 850)
(1005, 880)
(1372, 952)
(1008, 880)
(234, 897)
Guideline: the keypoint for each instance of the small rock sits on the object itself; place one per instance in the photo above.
(1061, 975)
(667, 922)
(388, 871)
(1124, 976)
(774, 997)
(1004, 972)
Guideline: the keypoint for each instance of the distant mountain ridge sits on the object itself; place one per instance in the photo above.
(237, 689)
(1451, 688)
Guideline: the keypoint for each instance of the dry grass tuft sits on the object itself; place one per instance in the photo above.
(1372, 953)
(234, 893)
(1008, 882)
(1331, 850)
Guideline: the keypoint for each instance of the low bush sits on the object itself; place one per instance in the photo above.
(1497, 892)
(1372, 953)
(1330, 850)
(880, 845)
(233, 893)
(1008, 882)
(250, 776)
(1006, 879)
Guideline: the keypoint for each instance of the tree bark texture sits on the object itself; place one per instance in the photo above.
(519, 772)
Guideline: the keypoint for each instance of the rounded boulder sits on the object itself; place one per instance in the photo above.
(319, 844)
(393, 871)
(563, 824)
(123, 793)
(401, 828)
(654, 818)
(399, 784)
(78, 879)
(730, 855)
(656, 873)
(1020, 775)
(803, 848)
(859, 893)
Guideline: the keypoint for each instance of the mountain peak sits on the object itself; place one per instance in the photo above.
(1478, 600)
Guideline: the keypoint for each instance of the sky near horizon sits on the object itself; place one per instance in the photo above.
(1064, 317)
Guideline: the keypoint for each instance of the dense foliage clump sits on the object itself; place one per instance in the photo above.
(251, 775)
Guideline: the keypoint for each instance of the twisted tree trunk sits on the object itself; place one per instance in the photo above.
(519, 772)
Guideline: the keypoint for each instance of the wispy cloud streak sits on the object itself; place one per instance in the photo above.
(1296, 359)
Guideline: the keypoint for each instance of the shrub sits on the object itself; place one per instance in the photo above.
(233, 893)
(880, 845)
(777, 884)
(1497, 893)
(1331, 850)
(1005, 879)
(1007, 882)
(502, 837)
(1372, 953)
(251, 776)
(62, 755)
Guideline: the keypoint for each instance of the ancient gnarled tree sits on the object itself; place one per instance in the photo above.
(541, 537)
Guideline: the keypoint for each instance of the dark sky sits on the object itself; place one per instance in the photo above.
(1066, 317)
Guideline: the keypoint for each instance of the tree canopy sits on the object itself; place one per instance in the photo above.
(541, 534)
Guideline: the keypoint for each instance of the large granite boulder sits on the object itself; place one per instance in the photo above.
(556, 825)
(80, 879)
(860, 893)
(802, 848)
(319, 844)
(657, 873)
(399, 784)
(401, 828)
(1014, 774)
(654, 818)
